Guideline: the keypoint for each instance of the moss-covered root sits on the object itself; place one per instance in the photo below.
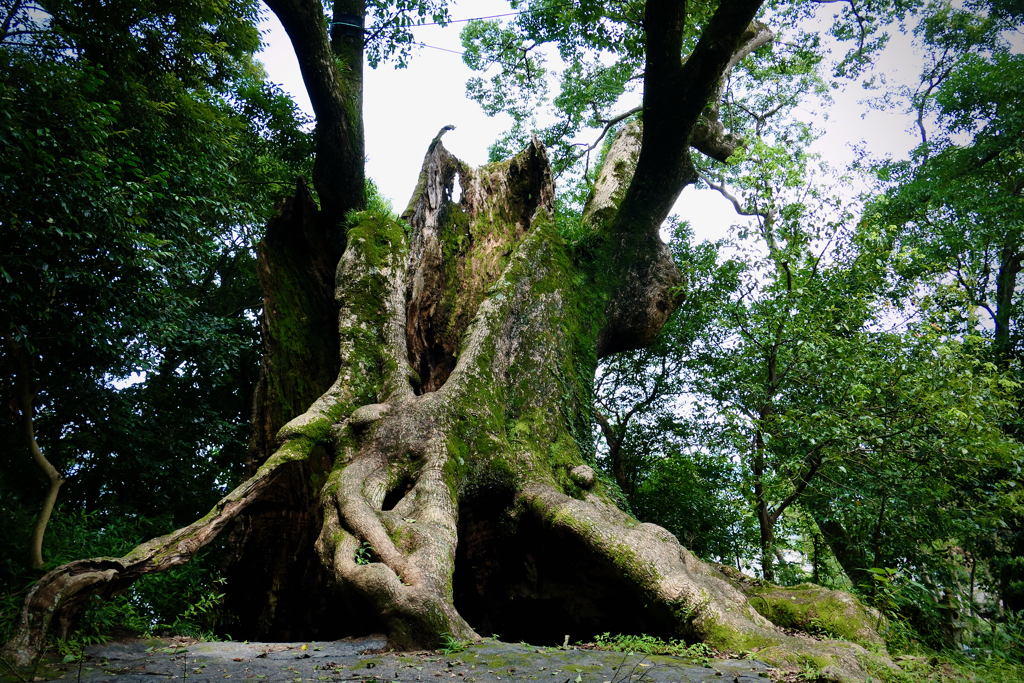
(400, 560)
(373, 365)
(54, 599)
(414, 607)
(372, 268)
(691, 598)
(818, 611)
(696, 601)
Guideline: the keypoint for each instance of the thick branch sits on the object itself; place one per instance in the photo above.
(334, 82)
(675, 96)
(709, 135)
(647, 291)
(757, 35)
(1010, 259)
(711, 139)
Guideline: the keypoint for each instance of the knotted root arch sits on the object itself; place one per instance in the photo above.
(453, 483)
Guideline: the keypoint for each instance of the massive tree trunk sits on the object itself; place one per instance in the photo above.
(451, 453)
(449, 460)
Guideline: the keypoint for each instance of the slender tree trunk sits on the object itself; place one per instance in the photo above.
(970, 593)
(766, 526)
(765, 523)
(21, 411)
(1010, 259)
(849, 556)
(877, 536)
(816, 549)
(765, 518)
(53, 484)
(614, 435)
(767, 551)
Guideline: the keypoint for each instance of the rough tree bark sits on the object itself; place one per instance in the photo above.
(448, 459)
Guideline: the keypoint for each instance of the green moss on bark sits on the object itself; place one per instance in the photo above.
(819, 612)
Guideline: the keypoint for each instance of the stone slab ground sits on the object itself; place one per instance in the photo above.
(366, 660)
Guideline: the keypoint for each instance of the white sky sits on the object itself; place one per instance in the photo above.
(404, 109)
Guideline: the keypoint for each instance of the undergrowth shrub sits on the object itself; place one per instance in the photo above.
(652, 645)
(929, 647)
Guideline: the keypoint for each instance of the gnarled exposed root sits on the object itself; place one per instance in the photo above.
(698, 601)
(400, 560)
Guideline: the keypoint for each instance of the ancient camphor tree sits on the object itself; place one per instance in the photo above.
(439, 484)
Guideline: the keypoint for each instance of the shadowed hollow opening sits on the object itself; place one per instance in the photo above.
(395, 495)
(515, 580)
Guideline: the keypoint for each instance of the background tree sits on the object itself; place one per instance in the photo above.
(654, 453)
(831, 337)
(641, 386)
(141, 148)
(957, 203)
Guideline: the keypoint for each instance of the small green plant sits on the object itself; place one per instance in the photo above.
(73, 649)
(450, 645)
(816, 627)
(204, 612)
(701, 651)
(899, 635)
(362, 555)
(882, 592)
(652, 645)
(809, 673)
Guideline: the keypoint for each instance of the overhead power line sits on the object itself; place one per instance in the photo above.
(347, 24)
(442, 49)
(450, 21)
(354, 25)
(463, 21)
(493, 16)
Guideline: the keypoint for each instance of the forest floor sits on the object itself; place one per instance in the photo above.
(366, 660)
